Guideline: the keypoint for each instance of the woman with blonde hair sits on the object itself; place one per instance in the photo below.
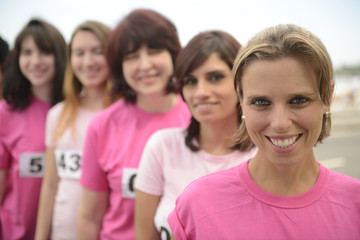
(284, 81)
(85, 89)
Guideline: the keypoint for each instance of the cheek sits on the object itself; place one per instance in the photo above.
(164, 62)
(255, 122)
(126, 69)
(187, 94)
(22, 63)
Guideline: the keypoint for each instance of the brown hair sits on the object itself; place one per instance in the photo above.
(16, 88)
(287, 41)
(140, 27)
(193, 55)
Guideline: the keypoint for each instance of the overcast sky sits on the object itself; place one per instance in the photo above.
(336, 22)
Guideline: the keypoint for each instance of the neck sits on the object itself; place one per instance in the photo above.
(215, 137)
(93, 98)
(284, 180)
(157, 103)
(42, 92)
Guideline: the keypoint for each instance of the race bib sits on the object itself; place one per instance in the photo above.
(128, 182)
(68, 163)
(165, 232)
(32, 164)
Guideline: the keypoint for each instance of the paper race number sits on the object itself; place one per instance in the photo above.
(32, 164)
(68, 163)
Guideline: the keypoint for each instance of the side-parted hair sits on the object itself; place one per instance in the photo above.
(139, 27)
(192, 56)
(17, 88)
(287, 40)
(72, 85)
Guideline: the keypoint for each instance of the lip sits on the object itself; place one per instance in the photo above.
(147, 79)
(204, 107)
(292, 140)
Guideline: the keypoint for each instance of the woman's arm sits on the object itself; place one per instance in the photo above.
(47, 196)
(145, 209)
(2, 184)
(92, 209)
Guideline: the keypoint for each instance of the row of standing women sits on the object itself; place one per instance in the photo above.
(137, 119)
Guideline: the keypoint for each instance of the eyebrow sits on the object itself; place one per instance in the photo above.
(298, 94)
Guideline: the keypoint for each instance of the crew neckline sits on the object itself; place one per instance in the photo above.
(298, 201)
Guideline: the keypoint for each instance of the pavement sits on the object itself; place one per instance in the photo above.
(345, 118)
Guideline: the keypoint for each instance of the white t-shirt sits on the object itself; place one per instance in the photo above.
(68, 151)
(167, 166)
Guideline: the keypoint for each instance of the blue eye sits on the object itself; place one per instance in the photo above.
(299, 100)
(190, 81)
(260, 102)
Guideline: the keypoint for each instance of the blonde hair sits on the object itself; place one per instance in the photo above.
(72, 86)
(287, 40)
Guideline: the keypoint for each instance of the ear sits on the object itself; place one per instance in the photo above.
(327, 106)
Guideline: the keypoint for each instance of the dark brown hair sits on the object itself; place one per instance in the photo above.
(193, 55)
(16, 88)
(140, 27)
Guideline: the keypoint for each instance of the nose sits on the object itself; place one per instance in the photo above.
(202, 89)
(36, 58)
(144, 61)
(281, 119)
(88, 59)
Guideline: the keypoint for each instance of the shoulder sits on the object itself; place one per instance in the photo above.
(166, 139)
(222, 189)
(343, 182)
(110, 113)
(56, 109)
(169, 134)
(5, 107)
(212, 185)
(343, 188)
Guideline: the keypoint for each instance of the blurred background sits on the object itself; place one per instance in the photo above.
(335, 22)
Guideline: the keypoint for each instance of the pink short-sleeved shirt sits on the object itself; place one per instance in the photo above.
(167, 166)
(22, 152)
(114, 144)
(230, 205)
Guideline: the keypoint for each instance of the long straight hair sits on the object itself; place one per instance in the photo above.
(72, 85)
(16, 87)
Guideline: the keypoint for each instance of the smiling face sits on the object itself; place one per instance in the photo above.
(209, 91)
(36, 65)
(147, 71)
(283, 109)
(87, 60)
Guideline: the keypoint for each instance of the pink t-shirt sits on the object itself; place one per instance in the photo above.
(114, 144)
(68, 152)
(22, 155)
(230, 205)
(167, 166)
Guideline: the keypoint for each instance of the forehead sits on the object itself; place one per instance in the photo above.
(84, 37)
(212, 63)
(286, 74)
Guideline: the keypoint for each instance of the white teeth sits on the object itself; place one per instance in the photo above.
(284, 143)
(203, 105)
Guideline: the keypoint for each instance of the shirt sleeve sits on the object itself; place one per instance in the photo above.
(176, 226)
(92, 175)
(4, 153)
(150, 178)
